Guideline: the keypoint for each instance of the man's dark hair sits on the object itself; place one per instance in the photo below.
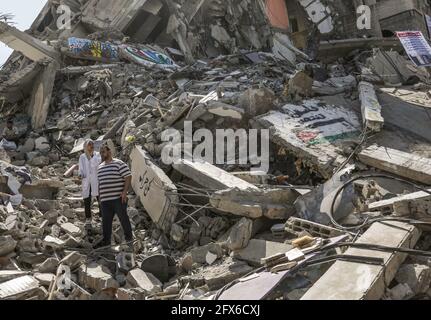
(10, 121)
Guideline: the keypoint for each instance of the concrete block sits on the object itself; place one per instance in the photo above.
(96, 277)
(139, 279)
(355, 281)
(71, 229)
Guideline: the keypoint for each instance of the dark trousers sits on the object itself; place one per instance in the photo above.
(109, 210)
(87, 205)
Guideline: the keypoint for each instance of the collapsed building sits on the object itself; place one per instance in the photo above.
(346, 196)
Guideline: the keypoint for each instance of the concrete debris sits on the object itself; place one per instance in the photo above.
(145, 281)
(261, 249)
(401, 163)
(96, 277)
(371, 108)
(274, 204)
(340, 277)
(417, 277)
(258, 133)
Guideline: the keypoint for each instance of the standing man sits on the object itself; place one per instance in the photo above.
(9, 136)
(88, 165)
(115, 179)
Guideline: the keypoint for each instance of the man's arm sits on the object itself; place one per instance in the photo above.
(127, 184)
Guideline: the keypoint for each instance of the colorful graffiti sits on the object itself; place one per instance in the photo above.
(90, 49)
(147, 57)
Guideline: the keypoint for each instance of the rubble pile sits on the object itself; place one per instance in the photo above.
(345, 195)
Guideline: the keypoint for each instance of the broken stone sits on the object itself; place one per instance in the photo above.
(96, 277)
(417, 277)
(45, 279)
(400, 292)
(42, 144)
(200, 254)
(53, 242)
(137, 278)
(256, 102)
(50, 265)
(240, 234)
(300, 85)
(71, 229)
(7, 245)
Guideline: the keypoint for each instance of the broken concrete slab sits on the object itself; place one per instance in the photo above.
(32, 48)
(18, 288)
(137, 278)
(313, 131)
(44, 279)
(210, 176)
(154, 188)
(371, 108)
(7, 275)
(408, 116)
(407, 201)
(355, 281)
(271, 203)
(403, 164)
(96, 277)
(260, 249)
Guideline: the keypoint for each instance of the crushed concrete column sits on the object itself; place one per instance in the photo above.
(30, 47)
(361, 281)
(371, 108)
(41, 95)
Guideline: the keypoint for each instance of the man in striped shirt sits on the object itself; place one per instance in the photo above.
(115, 179)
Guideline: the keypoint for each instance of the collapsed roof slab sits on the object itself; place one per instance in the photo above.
(29, 46)
(348, 280)
(313, 131)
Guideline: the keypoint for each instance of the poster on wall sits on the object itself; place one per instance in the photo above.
(416, 46)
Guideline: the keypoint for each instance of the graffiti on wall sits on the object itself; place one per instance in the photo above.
(148, 57)
(90, 49)
(317, 123)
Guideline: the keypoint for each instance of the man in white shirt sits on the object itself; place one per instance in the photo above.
(88, 164)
